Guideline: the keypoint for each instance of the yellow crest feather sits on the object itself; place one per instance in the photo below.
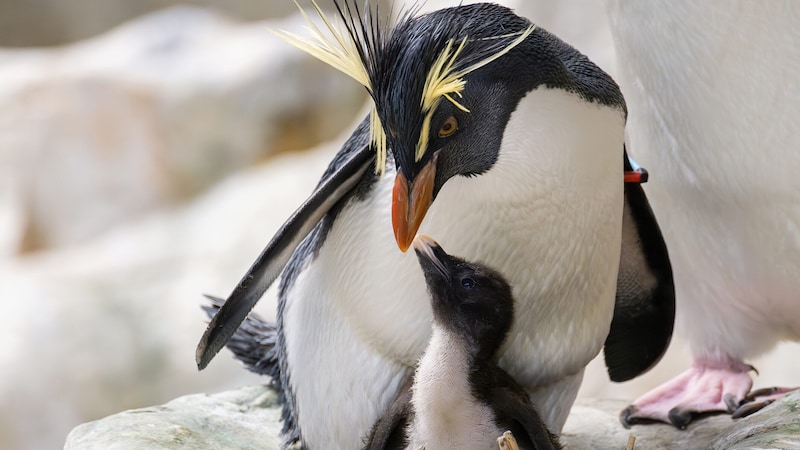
(442, 81)
(340, 50)
(378, 140)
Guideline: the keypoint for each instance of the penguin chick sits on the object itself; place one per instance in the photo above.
(459, 397)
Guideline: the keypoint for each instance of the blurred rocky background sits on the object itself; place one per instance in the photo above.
(148, 150)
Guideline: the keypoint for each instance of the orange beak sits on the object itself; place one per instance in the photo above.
(408, 211)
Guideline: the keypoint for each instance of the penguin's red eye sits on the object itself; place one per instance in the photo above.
(448, 127)
(467, 283)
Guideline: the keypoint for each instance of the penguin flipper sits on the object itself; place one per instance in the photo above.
(644, 312)
(253, 343)
(527, 426)
(350, 165)
(389, 432)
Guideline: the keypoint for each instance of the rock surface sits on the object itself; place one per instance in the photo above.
(112, 324)
(53, 22)
(249, 418)
(149, 115)
(594, 424)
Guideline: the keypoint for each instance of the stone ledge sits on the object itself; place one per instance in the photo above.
(249, 418)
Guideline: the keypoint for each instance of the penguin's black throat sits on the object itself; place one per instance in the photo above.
(468, 299)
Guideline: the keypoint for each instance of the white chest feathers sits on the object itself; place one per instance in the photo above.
(446, 416)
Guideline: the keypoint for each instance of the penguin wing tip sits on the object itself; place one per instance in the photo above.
(205, 349)
(200, 359)
(212, 341)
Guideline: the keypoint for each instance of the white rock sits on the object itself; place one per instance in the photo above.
(54, 22)
(244, 418)
(248, 418)
(148, 115)
(113, 324)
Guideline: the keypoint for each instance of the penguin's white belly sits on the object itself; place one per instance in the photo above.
(548, 217)
(740, 274)
(715, 116)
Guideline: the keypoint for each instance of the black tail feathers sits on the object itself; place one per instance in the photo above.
(253, 343)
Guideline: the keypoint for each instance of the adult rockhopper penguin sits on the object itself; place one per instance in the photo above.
(714, 89)
(482, 125)
(460, 398)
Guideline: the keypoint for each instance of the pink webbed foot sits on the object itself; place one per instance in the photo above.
(707, 387)
(758, 399)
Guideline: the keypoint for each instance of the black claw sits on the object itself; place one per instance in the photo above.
(626, 417)
(763, 392)
(750, 408)
(751, 368)
(680, 418)
(731, 403)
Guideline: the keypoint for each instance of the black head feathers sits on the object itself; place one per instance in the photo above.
(410, 67)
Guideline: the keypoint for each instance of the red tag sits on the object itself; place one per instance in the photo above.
(638, 176)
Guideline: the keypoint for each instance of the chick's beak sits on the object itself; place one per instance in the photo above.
(408, 211)
(430, 254)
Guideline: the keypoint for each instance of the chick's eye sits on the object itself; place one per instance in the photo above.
(467, 282)
(448, 127)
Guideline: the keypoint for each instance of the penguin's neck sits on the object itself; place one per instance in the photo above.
(446, 412)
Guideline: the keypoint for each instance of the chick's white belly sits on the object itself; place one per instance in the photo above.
(446, 415)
